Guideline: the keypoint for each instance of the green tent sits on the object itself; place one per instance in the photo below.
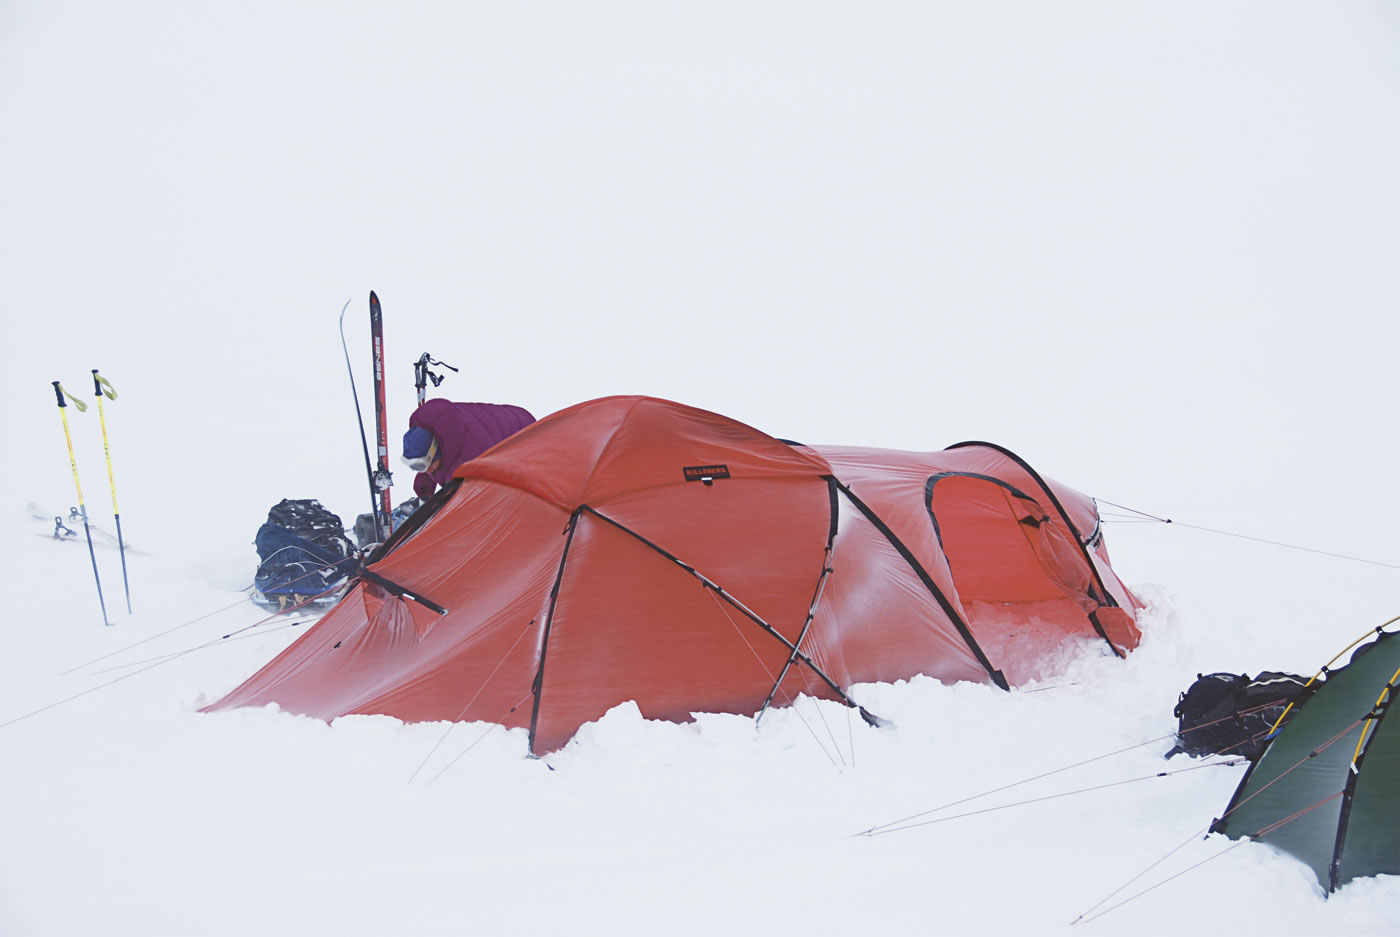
(1326, 789)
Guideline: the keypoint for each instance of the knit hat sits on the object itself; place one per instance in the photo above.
(416, 443)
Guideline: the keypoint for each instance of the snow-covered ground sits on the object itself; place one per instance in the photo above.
(127, 812)
(1148, 247)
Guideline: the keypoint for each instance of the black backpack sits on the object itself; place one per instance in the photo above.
(302, 552)
(1231, 714)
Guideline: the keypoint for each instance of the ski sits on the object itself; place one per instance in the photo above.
(364, 442)
(383, 479)
(68, 528)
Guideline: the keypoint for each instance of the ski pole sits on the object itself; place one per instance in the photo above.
(73, 461)
(103, 388)
(421, 375)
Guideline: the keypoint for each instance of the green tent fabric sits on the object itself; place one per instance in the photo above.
(1327, 787)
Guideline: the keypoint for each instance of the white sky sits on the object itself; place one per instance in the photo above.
(1149, 243)
(1149, 247)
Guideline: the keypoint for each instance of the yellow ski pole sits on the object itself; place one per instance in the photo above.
(73, 461)
(103, 388)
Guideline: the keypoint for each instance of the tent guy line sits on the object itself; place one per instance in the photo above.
(183, 624)
(453, 724)
(294, 623)
(905, 822)
(889, 828)
(1085, 915)
(1272, 827)
(195, 620)
(1143, 516)
(158, 661)
(492, 727)
(1171, 878)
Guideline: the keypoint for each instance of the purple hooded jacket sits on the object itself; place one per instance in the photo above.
(463, 432)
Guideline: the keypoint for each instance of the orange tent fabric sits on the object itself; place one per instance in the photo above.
(632, 548)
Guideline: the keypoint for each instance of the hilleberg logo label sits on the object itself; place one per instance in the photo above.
(705, 473)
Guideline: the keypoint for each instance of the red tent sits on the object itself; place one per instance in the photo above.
(631, 548)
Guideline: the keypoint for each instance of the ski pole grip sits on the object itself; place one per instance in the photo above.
(102, 387)
(62, 393)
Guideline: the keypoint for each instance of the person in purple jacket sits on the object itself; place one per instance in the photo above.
(443, 434)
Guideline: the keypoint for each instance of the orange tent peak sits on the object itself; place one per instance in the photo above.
(599, 449)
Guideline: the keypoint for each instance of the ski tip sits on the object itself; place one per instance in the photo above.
(373, 297)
